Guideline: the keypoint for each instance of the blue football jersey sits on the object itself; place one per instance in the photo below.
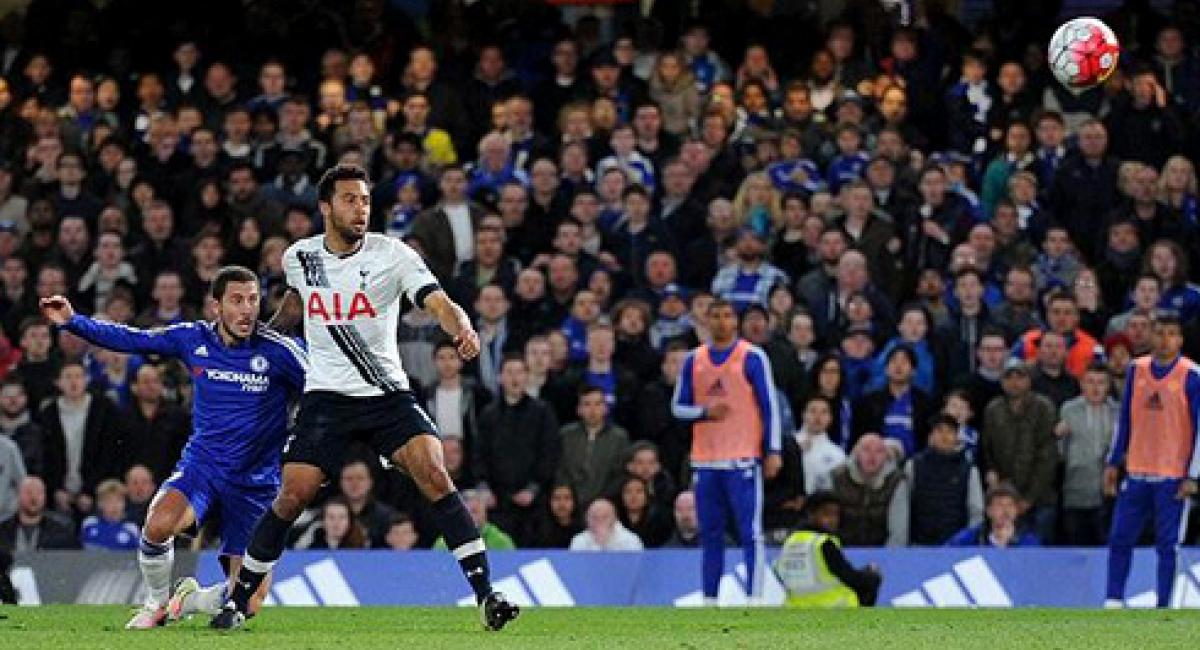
(241, 392)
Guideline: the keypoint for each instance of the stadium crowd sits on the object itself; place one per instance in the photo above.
(949, 258)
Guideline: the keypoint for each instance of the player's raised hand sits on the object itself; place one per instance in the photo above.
(57, 309)
(467, 343)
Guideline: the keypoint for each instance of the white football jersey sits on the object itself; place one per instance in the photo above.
(351, 306)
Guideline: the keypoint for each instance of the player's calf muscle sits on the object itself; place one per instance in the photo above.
(422, 459)
(434, 481)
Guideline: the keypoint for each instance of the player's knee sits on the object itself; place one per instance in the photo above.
(290, 503)
(158, 529)
(286, 509)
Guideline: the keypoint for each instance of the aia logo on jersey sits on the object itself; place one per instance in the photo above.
(338, 307)
(717, 389)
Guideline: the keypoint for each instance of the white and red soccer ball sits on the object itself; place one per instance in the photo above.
(1083, 52)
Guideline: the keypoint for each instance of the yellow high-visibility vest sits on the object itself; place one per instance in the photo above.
(802, 570)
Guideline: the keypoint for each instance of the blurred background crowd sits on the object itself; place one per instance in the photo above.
(949, 258)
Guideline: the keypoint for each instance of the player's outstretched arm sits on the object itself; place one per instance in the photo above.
(455, 322)
(164, 341)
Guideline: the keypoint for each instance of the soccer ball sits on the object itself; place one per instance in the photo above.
(1083, 53)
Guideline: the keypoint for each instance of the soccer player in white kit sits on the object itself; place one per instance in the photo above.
(350, 284)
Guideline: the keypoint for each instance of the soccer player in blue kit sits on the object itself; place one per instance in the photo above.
(245, 376)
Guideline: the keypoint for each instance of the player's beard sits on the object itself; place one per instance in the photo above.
(348, 234)
(232, 334)
(346, 231)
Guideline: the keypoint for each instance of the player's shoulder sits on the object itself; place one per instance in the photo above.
(387, 251)
(293, 256)
(756, 353)
(377, 243)
(754, 349)
(307, 244)
(281, 343)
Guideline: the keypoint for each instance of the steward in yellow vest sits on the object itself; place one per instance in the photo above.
(813, 569)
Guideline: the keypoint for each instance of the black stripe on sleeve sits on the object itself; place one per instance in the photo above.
(423, 293)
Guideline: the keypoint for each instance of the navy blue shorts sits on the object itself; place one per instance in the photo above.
(240, 506)
(328, 423)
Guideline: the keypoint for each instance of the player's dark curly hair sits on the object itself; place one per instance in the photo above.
(339, 173)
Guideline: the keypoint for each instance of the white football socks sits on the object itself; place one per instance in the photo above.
(156, 561)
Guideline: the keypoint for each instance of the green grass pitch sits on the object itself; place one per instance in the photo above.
(80, 627)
